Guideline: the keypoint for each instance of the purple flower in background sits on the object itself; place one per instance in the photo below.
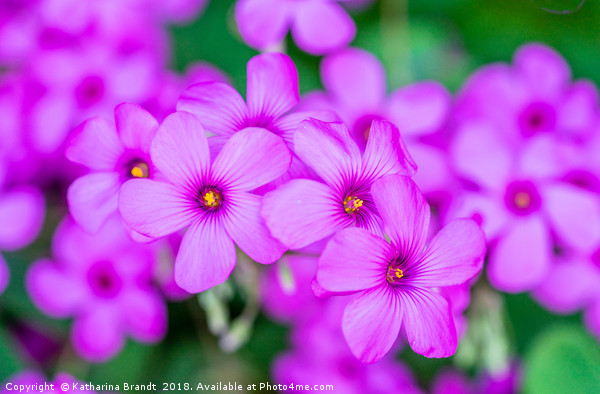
(22, 212)
(532, 97)
(104, 282)
(321, 356)
(572, 285)
(318, 26)
(114, 153)
(503, 382)
(304, 211)
(522, 203)
(396, 281)
(69, 86)
(212, 199)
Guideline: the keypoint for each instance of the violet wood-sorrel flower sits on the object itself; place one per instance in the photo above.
(212, 199)
(396, 281)
(114, 153)
(303, 211)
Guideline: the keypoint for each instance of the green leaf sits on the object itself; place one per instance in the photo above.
(563, 359)
(10, 362)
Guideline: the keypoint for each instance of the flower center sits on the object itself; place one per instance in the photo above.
(139, 169)
(89, 91)
(394, 274)
(537, 117)
(522, 197)
(352, 204)
(211, 199)
(104, 280)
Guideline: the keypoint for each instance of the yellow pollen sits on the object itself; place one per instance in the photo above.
(212, 199)
(352, 204)
(140, 170)
(522, 199)
(394, 274)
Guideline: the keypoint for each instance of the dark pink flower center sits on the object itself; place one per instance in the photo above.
(537, 117)
(89, 91)
(522, 197)
(104, 280)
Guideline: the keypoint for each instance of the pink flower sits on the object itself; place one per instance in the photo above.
(104, 283)
(318, 26)
(114, 153)
(211, 198)
(395, 282)
(533, 97)
(303, 211)
(519, 196)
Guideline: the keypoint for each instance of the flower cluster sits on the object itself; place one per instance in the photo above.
(371, 212)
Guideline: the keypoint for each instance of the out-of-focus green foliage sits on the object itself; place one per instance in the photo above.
(563, 359)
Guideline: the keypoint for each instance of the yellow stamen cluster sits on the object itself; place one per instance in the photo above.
(352, 204)
(212, 199)
(522, 200)
(394, 274)
(140, 170)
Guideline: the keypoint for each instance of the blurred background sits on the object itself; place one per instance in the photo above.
(442, 40)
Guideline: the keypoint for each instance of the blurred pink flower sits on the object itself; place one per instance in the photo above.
(105, 283)
(318, 26)
(522, 203)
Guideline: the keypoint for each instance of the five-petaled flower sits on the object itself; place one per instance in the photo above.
(212, 198)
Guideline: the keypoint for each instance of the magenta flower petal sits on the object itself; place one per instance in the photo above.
(421, 108)
(313, 213)
(322, 26)
(145, 314)
(574, 213)
(136, 127)
(22, 212)
(251, 158)
(543, 69)
(206, 257)
(262, 23)
(428, 323)
(93, 198)
(356, 78)
(488, 211)
(272, 86)
(371, 323)
(480, 155)
(96, 145)
(404, 211)
(453, 256)
(364, 257)
(386, 153)
(154, 208)
(180, 148)
(221, 108)
(44, 279)
(571, 285)
(247, 229)
(328, 149)
(96, 337)
(521, 258)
